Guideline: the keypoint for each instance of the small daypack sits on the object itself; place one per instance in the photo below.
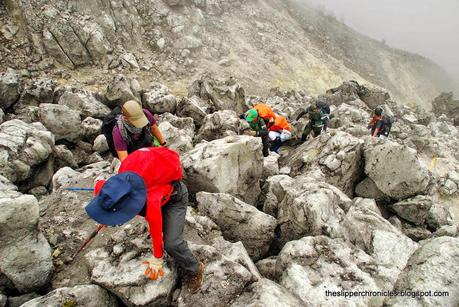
(387, 125)
(107, 127)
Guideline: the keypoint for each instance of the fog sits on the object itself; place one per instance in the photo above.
(427, 27)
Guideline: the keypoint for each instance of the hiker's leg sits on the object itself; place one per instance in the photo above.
(265, 142)
(306, 131)
(174, 213)
(316, 131)
(274, 136)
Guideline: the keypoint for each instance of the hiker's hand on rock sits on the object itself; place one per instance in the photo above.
(154, 268)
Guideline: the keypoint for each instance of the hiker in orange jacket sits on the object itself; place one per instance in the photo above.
(149, 184)
(279, 132)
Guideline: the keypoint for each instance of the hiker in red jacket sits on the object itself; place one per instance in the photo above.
(149, 183)
(376, 122)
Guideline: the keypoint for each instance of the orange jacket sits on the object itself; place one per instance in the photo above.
(280, 123)
(264, 111)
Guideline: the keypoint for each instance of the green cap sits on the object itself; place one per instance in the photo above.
(251, 115)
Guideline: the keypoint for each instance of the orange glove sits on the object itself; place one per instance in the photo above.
(154, 268)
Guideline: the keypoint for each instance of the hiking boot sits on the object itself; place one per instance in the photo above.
(195, 282)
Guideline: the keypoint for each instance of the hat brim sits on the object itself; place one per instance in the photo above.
(139, 122)
(128, 207)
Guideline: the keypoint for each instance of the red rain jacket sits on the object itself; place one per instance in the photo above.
(158, 166)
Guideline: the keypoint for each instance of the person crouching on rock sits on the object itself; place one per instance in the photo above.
(376, 122)
(279, 132)
(149, 184)
(135, 128)
(259, 126)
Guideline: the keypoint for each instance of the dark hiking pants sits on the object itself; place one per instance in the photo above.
(307, 130)
(173, 213)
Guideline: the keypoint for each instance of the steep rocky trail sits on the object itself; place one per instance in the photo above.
(343, 211)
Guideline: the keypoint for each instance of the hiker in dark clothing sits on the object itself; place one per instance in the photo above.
(318, 120)
(258, 125)
(135, 128)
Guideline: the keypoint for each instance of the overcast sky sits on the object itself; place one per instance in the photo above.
(427, 27)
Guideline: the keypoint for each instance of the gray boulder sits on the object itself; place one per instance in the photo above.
(100, 144)
(23, 148)
(25, 255)
(414, 210)
(10, 88)
(273, 193)
(82, 295)
(90, 127)
(186, 124)
(439, 215)
(218, 125)
(62, 121)
(267, 293)
(192, 107)
(271, 165)
(395, 170)
(433, 267)
(367, 189)
(176, 139)
(239, 221)
(231, 165)
(373, 97)
(122, 89)
(158, 100)
(85, 103)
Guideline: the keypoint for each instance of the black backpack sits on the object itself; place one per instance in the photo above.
(387, 125)
(107, 128)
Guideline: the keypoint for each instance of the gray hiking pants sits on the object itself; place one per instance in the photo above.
(173, 213)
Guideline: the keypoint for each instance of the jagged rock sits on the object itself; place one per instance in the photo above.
(129, 59)
(122, 89)
(227, 95)
(23, 148)
(273, 193)
(223, 279)
(17, 301)
(339, 158)
(218, 125)
(348, 91)
(25, 255)
(158, 100)
(63, 122)
(271, 165)
(447, 230)
(231, 165)
(366, 203)
(311, 208)
(185, 124)
(396, 170)
(439, 215)
(434, 266)
(415, 233)
(267, 267)
(85, 103)
(192, 107)
(10, 88)
(3, 300)
(175, 138)
(64, 157)
(312, 265)
(65, 177)
(414, 209)
(367, 189)
(40, 91)
(267, 293)
(100, 144)
(373, 97)
(239, 221)
(90, 127)
(126, 280)
(445, 104)
(2, 116)
(82, 295)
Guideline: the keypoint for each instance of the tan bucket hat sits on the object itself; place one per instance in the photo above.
(134, 113)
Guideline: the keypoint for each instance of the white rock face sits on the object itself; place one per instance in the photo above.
(158, 99)
(239, 221)
(22, 147)
(25, 255)
(175, 138)
(192, 107)
(396, 170)
(62, 121)
(232, 165)
(434, 266)
(85, 103)
(218, 125)
(82, 295)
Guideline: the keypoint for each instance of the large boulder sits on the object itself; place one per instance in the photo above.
(25, 255)
(222, 95)
(311, 208)
(313, 268)
(62, 121)
(121, 89)
(176, 139)
(82, 295)
(186, 124)
(239, 221)
(395, 169)
(23, 148)
(85, 103)
(434, 267)
(218, 125)
(446, 104)
(232, 165)
(414, 210)
(373, 97)
(10, 88)
(158, 99)
(192, 107)
(267, 293)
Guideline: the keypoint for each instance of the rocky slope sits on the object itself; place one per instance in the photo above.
(343, 211)
(263, 43)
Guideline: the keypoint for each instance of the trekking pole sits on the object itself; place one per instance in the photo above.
(79, 189)
(88, 240)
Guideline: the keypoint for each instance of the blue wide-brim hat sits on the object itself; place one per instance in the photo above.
(121, 198)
